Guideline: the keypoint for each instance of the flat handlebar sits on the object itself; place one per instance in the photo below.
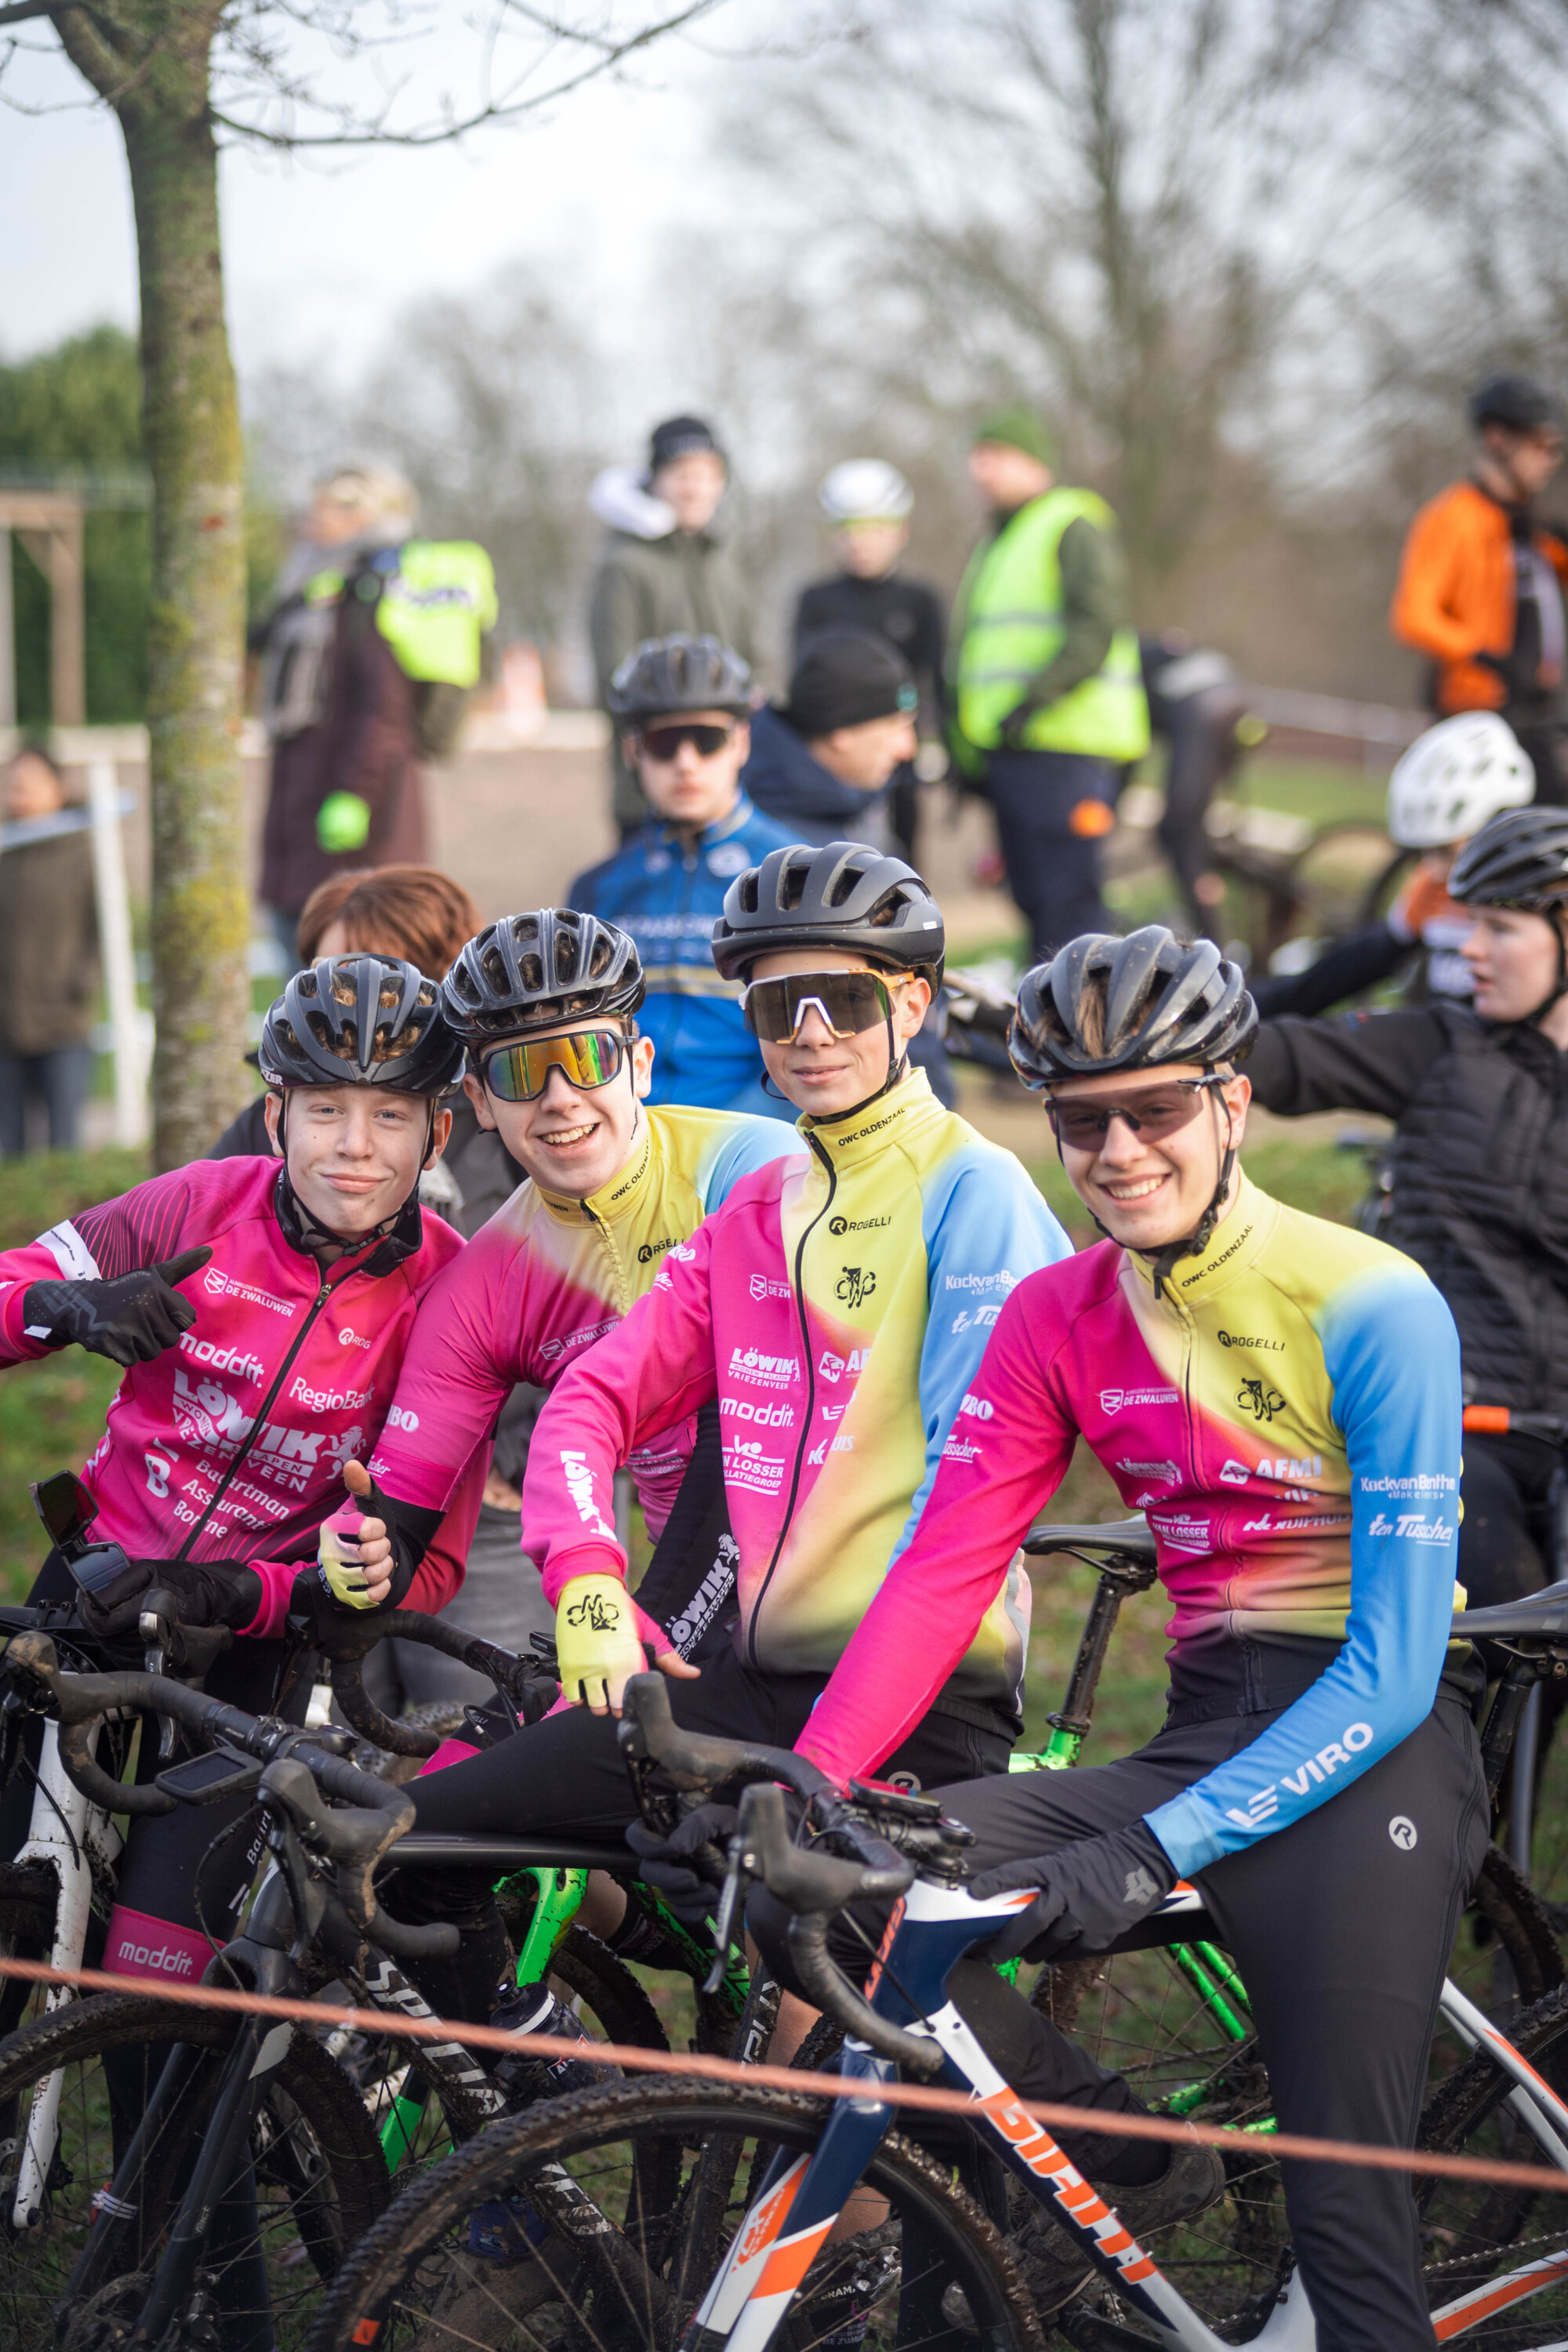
(376, 1815)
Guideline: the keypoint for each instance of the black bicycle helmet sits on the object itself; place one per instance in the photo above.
(844, 895)
(680, 673)
(539, 971)
(1161, 1002)
(1516, 401)
(360, 1021)
(1517, 859)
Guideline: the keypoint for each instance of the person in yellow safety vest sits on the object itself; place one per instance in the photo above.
(1046, 691)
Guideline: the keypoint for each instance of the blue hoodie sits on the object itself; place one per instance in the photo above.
(787, 783)
(668, 896)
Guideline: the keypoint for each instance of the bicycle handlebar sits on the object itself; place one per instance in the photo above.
(814, 1886)
(1498, 1420)
(376, 1815)
(697, 1763)
(513, 1676)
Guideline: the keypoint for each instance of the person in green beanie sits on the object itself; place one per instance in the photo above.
(1046, 690)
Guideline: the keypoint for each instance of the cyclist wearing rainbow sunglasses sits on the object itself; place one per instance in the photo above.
(546, 1003)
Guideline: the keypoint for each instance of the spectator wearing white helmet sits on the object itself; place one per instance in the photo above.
(867, 504)
(1452, 780)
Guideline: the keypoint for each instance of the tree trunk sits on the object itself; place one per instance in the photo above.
(149, 59)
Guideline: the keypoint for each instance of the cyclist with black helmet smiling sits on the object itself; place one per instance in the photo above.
(833, 1310)
(1281, 1396)
(262, 1308)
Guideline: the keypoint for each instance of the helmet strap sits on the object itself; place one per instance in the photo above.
(898, 1070)
(1560, 987)
(1198, 1241)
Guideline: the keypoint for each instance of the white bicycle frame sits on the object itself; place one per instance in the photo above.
(799, 2203)
(70, 1837)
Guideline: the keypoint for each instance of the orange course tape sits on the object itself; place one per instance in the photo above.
(695, 2065)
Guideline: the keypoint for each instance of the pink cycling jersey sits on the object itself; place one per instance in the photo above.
(543, 1280)
(237, 1436)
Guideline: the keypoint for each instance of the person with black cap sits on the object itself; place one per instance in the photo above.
(663, 571)
(1480, 579)
(821, 762)
(1046, 692)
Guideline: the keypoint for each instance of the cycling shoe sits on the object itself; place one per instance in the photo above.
(1053, 2267)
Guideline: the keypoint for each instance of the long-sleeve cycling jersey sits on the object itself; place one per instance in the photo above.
(1288, 1415)
(235, 1437)
(545, 1279)
(837, 1306)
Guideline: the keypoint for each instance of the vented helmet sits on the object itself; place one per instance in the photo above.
(360, 1021)
(540, 971)
(1520, 859)
(864, 489)
(844, 895)
(1455, 778)
(1163, 1002)
(680, 673)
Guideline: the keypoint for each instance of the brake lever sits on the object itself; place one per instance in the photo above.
(155, 1661)
(737, 1881)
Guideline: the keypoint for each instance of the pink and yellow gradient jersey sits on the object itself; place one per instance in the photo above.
(838, 1307)
(545, 1279)
(1287, 1413)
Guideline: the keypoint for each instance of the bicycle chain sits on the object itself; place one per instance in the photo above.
(1482, 2254)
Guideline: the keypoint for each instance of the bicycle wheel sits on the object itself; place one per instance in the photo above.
(1182, 2034)
(321, 2179)
(630, 2157)
(1471, 2231)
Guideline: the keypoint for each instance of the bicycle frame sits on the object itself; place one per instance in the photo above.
(801, 2197)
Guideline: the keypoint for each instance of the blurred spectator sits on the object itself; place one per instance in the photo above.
(663, 571)
(49, 959)
(1480, 580)
(341, 715)
(868, 505)
(821, 763)
(1048, 694)
(681, 704)
(1199, 705)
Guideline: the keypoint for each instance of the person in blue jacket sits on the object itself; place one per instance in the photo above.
(683, 703)
(822, 762)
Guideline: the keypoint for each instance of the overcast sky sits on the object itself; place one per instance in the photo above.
(320, 255)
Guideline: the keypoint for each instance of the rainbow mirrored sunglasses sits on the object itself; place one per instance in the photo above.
(585, 1058)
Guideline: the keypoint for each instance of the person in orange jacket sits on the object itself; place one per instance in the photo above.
(1481, 581)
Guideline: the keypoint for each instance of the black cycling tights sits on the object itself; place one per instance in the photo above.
(1340, 1926)
(1505, 1547)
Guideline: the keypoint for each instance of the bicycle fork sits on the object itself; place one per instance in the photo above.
(62, 1825)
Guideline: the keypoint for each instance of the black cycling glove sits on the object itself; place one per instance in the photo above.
(668, 1864)
(130, 1320)
(206, 1592)
(1090, 1894)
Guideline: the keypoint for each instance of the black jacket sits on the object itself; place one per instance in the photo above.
(1480, 1169)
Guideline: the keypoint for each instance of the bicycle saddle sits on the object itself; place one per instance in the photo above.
(1541, 1616)
(1129, 1538)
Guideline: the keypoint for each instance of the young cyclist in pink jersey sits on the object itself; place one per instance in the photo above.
(1282, 1397)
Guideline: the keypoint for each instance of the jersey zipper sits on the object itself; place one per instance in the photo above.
(810, 1396)
(617, 1264)
(262, 1410)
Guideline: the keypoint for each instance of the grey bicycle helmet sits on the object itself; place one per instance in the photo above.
(1518, 859)
(360, 1021)
(844, 895)
(538, 971)
(680, 673)
(1104, 1003)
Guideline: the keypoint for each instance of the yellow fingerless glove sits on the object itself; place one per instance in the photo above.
(342, 1572)
(599, 1636)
